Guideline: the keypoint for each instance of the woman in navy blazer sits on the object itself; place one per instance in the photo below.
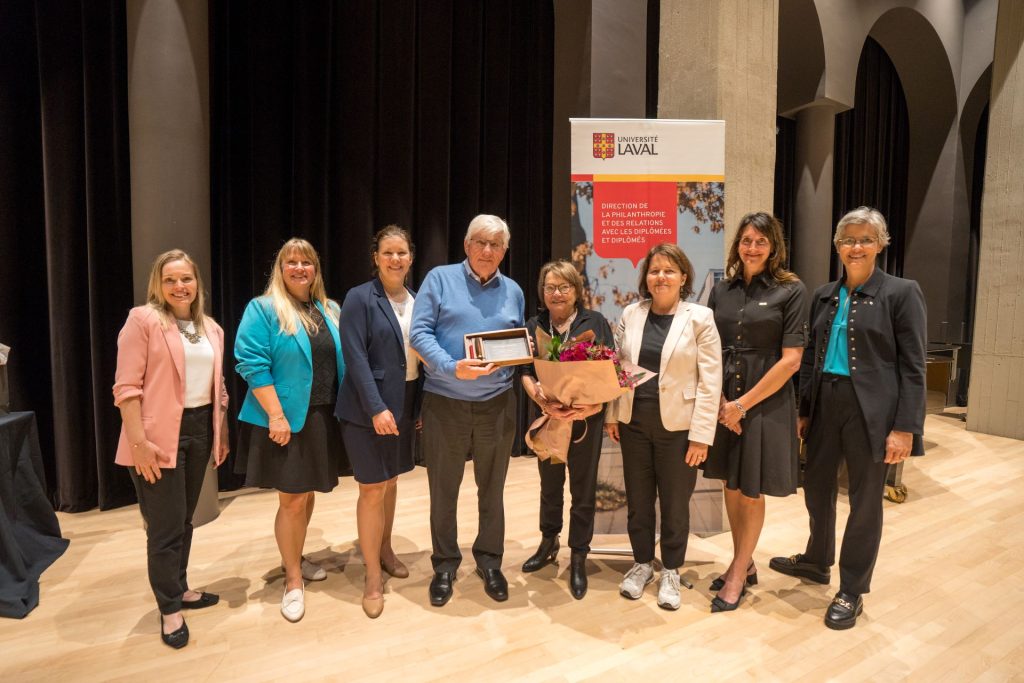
(289, 352)
(378, 401)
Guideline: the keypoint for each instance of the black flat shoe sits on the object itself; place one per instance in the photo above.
(720, 605)
(546, 553)
(441, 588)
(719, 583)
(578, 575)
(844, 610)
(495, 584)
(176, 639)
(205, 600)
(795, 565)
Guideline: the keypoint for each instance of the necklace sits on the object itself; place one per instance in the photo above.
(193, 337)
(553, 329)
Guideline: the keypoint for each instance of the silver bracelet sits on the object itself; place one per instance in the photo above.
(743, 411)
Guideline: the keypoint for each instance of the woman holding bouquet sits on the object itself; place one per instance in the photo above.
(761, 313)
(560, 288)
(665, 426)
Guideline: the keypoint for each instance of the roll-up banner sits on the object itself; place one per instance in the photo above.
(637, 183)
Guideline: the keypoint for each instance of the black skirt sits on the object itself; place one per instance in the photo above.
(312, 460)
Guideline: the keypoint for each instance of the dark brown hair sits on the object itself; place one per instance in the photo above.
(386, 232)
(673, 253)
(769, 226)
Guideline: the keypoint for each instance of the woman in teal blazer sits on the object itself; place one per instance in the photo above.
(289, 352)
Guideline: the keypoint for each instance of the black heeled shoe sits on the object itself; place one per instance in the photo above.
(546, 553)
(720, 605)
(578, 575)
(719, 583)
(176, 639)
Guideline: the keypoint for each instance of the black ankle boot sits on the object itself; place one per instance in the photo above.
(545, 555)
(578, 575)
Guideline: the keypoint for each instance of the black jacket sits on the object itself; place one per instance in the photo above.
(887, 330)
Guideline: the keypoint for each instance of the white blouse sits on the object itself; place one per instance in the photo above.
(198, 367)
(403, 311)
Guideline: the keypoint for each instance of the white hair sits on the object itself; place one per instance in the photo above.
(488, 225)
(863, 215)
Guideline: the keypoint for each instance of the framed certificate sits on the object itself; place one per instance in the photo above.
(501, 347)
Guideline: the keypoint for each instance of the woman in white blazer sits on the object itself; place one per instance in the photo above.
(666, 424)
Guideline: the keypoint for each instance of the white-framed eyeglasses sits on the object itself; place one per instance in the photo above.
(849, 242)
(484, 244)
(561, 289)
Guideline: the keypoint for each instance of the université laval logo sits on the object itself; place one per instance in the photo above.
(604, 145)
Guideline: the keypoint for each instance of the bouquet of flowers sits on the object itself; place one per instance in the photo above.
(576, 372)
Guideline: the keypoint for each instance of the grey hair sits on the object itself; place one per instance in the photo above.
(488, 224)
(863, 215)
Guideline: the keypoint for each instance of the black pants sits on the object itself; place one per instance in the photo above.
(654, 466)
(453, 429)
(837, 433)
(582, 464)
(167, 506)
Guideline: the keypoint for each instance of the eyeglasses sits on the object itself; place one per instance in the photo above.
(483, 244)
(761, 243)
(849, 242)
(561, 289)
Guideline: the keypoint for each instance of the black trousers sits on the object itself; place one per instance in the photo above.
(654, 466)
(837, 433)
(167, 506)
(582, 465)
(452, 430)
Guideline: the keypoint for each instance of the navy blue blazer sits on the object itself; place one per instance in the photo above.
(375, 359)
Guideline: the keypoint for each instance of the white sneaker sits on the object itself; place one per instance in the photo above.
(293, 604)
(668, 589)
(310, 571)
(636, 578)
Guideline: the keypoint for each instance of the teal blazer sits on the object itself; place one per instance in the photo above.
(267, 356)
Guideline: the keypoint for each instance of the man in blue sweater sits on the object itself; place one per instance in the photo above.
(469, 407)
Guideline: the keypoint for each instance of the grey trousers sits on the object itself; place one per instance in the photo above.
(452, 430)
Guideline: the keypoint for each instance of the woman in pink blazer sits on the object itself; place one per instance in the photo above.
(170, 390)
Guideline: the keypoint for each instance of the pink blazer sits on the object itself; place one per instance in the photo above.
(151, 366)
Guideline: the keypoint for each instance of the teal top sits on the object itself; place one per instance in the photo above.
(837, 357)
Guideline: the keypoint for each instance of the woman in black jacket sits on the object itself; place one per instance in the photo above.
(862, 400)
(560, 288)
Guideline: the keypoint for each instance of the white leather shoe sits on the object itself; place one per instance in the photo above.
(293, 604)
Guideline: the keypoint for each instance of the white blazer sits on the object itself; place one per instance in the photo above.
(690, 379)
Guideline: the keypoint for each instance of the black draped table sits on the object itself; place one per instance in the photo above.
(30, 539)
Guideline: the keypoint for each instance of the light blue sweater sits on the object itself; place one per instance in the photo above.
(452, 303)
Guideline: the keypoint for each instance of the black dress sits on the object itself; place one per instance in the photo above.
(755, 322)
(315, 457)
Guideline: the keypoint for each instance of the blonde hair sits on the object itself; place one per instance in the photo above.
(287, 308)
(155, 293)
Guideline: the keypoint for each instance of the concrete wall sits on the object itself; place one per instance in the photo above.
(997, 373)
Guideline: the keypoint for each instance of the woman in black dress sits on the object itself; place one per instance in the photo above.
(761, 314)
(561, 290)
(289, 353)
(378, 402)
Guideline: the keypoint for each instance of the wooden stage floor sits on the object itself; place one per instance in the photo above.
(947, 604)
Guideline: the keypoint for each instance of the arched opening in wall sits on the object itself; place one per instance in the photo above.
(872, 145)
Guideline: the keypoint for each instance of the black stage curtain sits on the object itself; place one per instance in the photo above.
(872, 145)
(65, 230)
(785, 177)
(333, 119)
